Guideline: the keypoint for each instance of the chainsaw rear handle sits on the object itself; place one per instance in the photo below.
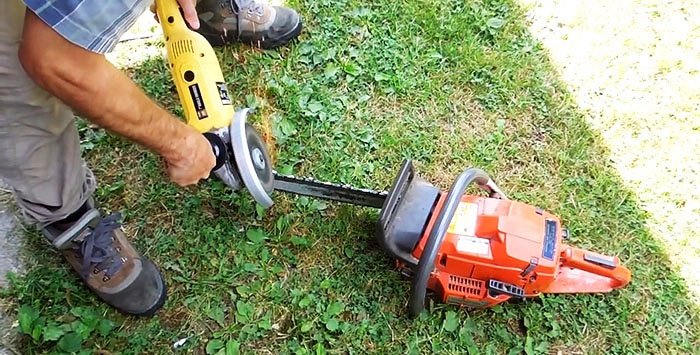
(416, 303)
(609, 267)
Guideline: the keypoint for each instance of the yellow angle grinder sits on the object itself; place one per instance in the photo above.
(242, 159)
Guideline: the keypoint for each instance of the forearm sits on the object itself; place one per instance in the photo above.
(108, 98)
(92, 86)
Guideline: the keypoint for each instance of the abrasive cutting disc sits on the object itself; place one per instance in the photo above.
(252, 159)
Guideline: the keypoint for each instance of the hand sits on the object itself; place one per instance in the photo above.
(188, 9)
(194, 161)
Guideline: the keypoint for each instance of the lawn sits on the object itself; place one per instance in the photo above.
(449, 85)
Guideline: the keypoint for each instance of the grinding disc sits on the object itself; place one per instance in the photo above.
(251, 159)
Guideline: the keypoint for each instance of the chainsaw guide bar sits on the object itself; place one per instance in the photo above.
(306, 186)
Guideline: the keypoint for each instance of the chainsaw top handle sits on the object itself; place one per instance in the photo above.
(426, 264)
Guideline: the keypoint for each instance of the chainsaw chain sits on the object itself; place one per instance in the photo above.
(348, 187)
(331, 191)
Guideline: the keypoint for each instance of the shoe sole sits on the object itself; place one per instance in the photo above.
(217, 40)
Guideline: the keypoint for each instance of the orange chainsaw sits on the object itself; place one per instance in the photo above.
(472, 251)
(467, 250)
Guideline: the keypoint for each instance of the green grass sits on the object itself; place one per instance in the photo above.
(447, 84)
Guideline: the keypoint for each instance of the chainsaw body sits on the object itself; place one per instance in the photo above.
(478, 251)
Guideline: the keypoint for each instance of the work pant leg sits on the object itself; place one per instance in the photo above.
(40, 154)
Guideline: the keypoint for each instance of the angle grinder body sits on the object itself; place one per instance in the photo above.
(242, 159)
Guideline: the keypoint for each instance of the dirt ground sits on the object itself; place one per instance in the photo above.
(10, 261)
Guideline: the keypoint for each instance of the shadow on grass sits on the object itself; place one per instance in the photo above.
(371, 83)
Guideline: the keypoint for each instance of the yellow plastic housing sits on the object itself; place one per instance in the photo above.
(196, 71)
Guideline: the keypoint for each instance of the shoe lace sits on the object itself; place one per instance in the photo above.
(96, 249)
(250, 6)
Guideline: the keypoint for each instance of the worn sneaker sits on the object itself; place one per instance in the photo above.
(247, 21)
(97, 249)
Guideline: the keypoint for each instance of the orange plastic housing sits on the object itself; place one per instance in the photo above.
(494, 241)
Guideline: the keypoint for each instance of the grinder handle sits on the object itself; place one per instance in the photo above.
(195, 70)
(416, 303)
(218, 147)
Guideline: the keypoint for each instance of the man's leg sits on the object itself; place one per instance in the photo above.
(39, 144)
(247, 21)
(40, 159)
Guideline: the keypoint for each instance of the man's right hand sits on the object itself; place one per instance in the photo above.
(192, 162)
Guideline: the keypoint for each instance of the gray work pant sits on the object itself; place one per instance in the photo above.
(39, 144)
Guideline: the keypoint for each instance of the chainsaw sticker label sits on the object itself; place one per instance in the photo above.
(550, 239)
(474, 245)
(464, 221)
(198, 101)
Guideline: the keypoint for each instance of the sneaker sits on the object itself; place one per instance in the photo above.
(247, 21)
(96, 247)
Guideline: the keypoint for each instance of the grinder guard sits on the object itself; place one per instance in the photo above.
(251, 159)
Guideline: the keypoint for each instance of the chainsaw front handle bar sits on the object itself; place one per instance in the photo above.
(426, 264)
